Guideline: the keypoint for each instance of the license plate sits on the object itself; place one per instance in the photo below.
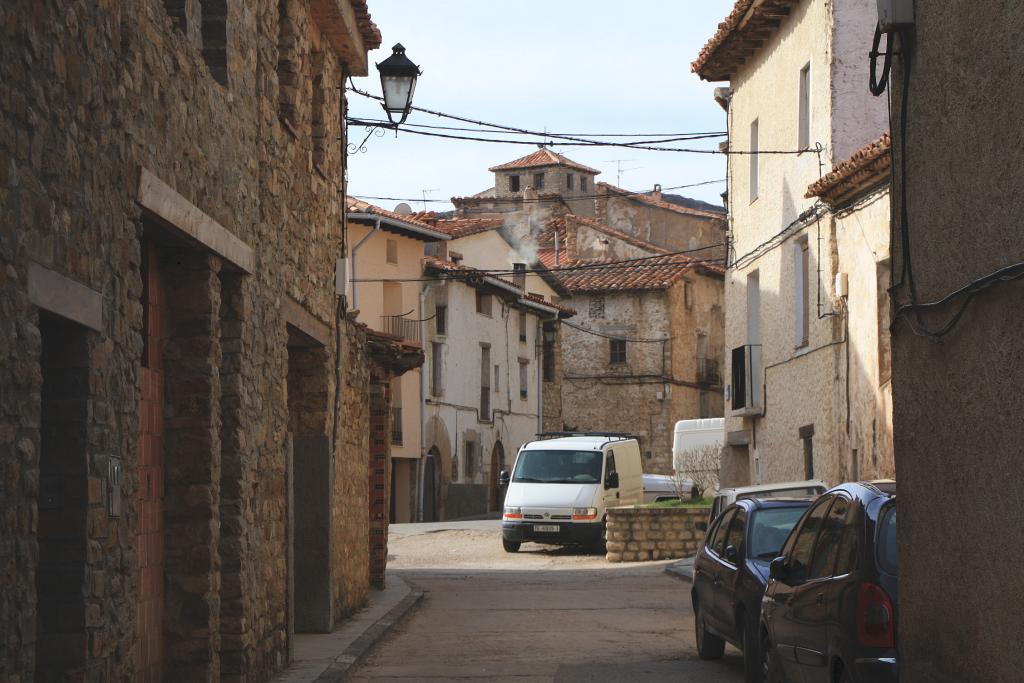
(546, 527)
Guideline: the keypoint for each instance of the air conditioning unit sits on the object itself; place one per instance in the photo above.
(894, 14)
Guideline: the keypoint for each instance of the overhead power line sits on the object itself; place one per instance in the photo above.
(523, 200)
(671, 136)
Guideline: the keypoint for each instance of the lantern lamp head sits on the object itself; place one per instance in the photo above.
(398, 77)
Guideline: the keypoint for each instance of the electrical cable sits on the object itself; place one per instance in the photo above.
(524, 200)
(616, 337)
(875, 84)
(583, 136)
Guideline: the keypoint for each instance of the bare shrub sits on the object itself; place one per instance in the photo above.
(700, 466)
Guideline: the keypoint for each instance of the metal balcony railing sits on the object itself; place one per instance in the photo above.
(396, 425)
(747, 380)
(403, 328)
(707, 371)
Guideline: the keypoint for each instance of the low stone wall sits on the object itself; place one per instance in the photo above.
(644, 534)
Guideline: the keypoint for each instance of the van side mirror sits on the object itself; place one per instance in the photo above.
(778, 569)
(612, 480)
(503, 478)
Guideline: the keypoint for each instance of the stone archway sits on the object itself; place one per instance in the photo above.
(438, 442)
(497, 495)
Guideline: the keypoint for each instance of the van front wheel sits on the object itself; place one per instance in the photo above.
(511, 546)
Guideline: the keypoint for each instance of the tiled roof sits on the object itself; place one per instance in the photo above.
(543, 157)
(474, 276)
(463, 227)
(868, 166)
(411, 220)
(659, 272)
(480, 199)
(367, 29)
(746, 28)
(661, 203)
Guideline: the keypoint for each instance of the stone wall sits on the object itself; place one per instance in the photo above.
(638, 534)
(118, 131)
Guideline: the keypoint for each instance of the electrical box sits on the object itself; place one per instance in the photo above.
(340, 276)
(894, 14)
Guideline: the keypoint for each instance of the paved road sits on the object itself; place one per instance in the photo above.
(543, 614)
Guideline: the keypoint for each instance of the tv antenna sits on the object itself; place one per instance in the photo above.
(619, 170)
(424, 193)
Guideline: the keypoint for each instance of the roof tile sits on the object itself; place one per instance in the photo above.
(869, 165)
(542, 157)
(742, 32)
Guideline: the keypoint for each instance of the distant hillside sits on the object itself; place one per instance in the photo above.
(680, 200)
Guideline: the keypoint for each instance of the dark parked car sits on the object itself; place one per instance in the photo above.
(730, 573)
(829, 611)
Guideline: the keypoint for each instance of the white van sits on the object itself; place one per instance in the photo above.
(560, 488)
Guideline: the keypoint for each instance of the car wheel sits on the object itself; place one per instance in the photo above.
(511, 546)
(709, 646)
(770, 671)
(752, 664)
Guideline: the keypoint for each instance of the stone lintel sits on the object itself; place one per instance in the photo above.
(305, 322)
(164, 202)
(337, 20)
(53, 292)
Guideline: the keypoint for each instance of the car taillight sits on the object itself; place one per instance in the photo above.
(876, 621)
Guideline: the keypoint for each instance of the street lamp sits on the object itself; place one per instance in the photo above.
(398, 82)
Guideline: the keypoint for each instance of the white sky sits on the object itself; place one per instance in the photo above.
(572, 66)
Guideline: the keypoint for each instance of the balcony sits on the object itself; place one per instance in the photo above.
(403, 328)
(707, 371)
(396, 425)
(747, 380)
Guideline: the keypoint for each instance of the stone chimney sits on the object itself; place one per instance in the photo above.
(656, 194)
(519, 275)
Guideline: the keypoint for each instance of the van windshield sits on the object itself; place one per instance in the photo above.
(558, 467)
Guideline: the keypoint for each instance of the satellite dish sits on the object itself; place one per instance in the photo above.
(403, 209)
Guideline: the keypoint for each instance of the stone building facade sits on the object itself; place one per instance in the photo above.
(183, 399)
(956, 396)
(796, 106)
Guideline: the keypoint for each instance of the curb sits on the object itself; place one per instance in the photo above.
(356, 652)
(680, 571)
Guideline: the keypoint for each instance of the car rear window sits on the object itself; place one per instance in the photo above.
(887, 557)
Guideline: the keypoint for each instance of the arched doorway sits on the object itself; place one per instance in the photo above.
(430, 484)
(497, 496)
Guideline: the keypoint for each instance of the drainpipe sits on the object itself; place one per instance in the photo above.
(540, 376)
(423, 398)
(376, 229)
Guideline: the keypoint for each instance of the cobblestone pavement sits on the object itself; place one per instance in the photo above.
(543, 614)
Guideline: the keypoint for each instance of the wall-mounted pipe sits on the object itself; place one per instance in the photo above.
(355, 249)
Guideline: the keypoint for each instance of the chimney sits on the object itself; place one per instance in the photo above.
(519, 275)
(657, 192)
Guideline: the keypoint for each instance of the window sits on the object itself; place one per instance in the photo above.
(753, 160)
(538, 181)
(801, 296)
(497, 379)
(396, 411)
(470, 460)
(483, 303)
(558, 467)
(846, 556)
(807, 436)
(436, 369)
(513, 183)
(688, 295)
(177, 10)
(609, 464)
(289, 66)
(485, 383)
(392, 251)
(735, 536)
(717, 542)
(568, 181)
(769, 530)
(524, 378)
(803, 544)
(617, 350)
(888, 559)
(583, 183)
(597, 305)
(548, 349)
(441, 319)
(215, 38)
(826, 550)
(805, 107)
(522, 327)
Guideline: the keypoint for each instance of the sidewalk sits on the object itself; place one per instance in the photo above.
(328, 657)
(682, 570)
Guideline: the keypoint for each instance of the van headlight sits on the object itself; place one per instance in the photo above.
(513, 513)
(584, 514)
